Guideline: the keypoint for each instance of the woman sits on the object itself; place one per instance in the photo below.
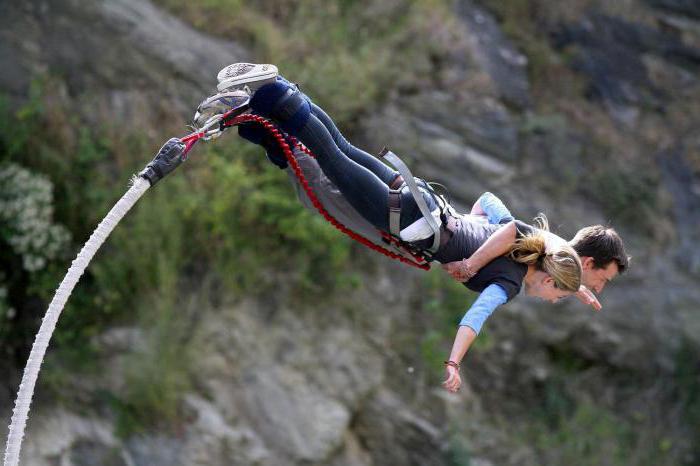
(548, 269)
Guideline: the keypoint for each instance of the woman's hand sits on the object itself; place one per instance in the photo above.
(463, 340)
(586, 296)
(462, 271)
(453, 381)
(498, 244)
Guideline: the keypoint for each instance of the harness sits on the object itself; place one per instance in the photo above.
(407, 180)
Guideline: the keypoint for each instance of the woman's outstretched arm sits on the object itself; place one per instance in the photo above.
(493, 296)
(464, 339)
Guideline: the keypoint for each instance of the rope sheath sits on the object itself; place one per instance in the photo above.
(48, 323)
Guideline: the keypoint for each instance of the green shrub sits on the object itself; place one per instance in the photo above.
(458, 452)
(565, 428)
(626, 191)
(589, 435)
(159, 374)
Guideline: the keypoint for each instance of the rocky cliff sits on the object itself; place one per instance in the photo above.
(585, 111)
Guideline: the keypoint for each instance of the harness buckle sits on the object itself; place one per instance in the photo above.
(395, 212)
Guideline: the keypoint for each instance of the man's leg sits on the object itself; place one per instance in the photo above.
(385, 173)
(366, 192)
(362, 178)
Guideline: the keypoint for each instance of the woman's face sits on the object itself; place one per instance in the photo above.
(542, 286)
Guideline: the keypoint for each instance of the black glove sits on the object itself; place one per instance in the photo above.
(169, 157)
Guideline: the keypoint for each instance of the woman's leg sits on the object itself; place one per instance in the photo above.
(365, 191)
(373, 164)
(383, 172)
(256, 134)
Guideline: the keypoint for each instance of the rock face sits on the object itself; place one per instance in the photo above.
(684, 185)
(496, 55)
(682, 7)
(612, 53)
(341, 383)
(118, 59)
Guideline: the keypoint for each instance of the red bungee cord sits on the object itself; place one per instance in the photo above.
(418, 260)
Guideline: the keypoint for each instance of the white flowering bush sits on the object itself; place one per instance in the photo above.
(26, 217)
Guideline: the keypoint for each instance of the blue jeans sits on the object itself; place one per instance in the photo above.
(362, 178)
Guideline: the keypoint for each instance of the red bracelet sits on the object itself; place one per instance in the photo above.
(453, 364)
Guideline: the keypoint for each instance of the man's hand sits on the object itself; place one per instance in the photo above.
(453, 381)
(462, 271)
(586, 296)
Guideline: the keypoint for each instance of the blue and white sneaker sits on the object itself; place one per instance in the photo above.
(242, 75)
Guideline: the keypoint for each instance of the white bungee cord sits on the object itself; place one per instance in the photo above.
(212, 113)
(48, 324)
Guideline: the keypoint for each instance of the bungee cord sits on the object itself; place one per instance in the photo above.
(48, 323)
(170, 156)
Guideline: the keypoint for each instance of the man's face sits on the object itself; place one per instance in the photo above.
(595, 279)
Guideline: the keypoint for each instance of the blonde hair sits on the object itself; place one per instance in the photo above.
(557, 259)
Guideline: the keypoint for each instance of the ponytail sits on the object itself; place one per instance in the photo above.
(529, 249)
(559, 260)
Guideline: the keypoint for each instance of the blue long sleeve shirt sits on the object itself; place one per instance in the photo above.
(493, 295)
(496, 211)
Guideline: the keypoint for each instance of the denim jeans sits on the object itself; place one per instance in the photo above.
(362, 178)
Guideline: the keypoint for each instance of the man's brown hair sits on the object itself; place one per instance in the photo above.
(603, 244)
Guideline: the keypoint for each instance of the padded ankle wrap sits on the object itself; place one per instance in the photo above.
(284, 104)
(252, 132)
(256, 134)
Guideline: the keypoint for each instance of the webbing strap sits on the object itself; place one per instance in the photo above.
(417, 196)
(395, 212)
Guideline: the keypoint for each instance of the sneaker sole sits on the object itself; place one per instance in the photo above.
(229, 83)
